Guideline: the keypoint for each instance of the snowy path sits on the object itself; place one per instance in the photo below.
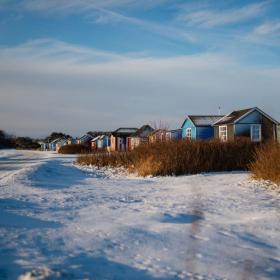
(62, 222)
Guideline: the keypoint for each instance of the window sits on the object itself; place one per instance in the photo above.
(256, 133)
(223, 132)
(189, 133)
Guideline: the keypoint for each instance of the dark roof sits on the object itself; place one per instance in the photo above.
(233, 116)
(143, 131)
(203, 120)
(97, 133)
(236, 115)
(125, 131)
(158, 131)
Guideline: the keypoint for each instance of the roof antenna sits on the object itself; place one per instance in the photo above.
(219, 110)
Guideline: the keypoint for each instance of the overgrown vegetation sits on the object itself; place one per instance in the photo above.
(25, 143)
(267, 163)
(6, 141)
(179, 158)
(56, 135)
(74, 149)
(13, 142)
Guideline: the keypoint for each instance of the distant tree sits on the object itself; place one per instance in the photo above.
(2, 134)
(55, 135)
(26, 143)
(6, 141)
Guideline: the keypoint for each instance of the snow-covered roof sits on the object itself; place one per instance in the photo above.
(99, 137)
(203, 120)
(95, 139)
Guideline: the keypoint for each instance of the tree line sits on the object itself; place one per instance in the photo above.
(15, 142)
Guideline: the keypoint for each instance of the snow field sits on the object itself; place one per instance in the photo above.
(58, 221)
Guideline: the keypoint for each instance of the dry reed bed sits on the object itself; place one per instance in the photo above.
(179, 158)
(74, 149)
(267, 163)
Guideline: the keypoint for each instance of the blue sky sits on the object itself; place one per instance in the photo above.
(79, 65)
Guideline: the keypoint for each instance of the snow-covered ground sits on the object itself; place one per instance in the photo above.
(58, 221)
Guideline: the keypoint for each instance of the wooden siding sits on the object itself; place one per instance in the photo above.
(93, 145)
(243, 127)
(198, 132)
(253, 118)
(113, 145)
(242, 130)
(158, 136)
(176, 134)
(204, 132)
(216, 132)
(135, 141)
(189, 124)
(268, 129)
(230, 132)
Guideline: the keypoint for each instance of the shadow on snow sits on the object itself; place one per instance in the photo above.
(55, 174)
(181, 218)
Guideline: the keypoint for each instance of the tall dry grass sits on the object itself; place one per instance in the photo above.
(267, 163)
(74, 149)
(179, 158)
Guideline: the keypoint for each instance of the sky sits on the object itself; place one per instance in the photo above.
(81, 65)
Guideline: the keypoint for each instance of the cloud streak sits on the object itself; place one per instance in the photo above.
(208, 18)
(103, 16)
(82, 6)
(266, 34)
(107, 12)
(268, 28)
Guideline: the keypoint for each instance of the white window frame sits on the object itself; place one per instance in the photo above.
(223, 137)
(189, 133)
(259, 126)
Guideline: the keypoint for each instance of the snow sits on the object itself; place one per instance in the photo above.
(58, 221)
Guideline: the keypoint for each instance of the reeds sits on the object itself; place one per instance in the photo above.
(267, 163)
(179, 158)
(74, 149)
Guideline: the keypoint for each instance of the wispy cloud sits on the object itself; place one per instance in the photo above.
(51, 50)
(103, 16)
(48, 84)
(266, 34)
(268, 28)
(205, 17)
(75, 6)
(107, 12)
